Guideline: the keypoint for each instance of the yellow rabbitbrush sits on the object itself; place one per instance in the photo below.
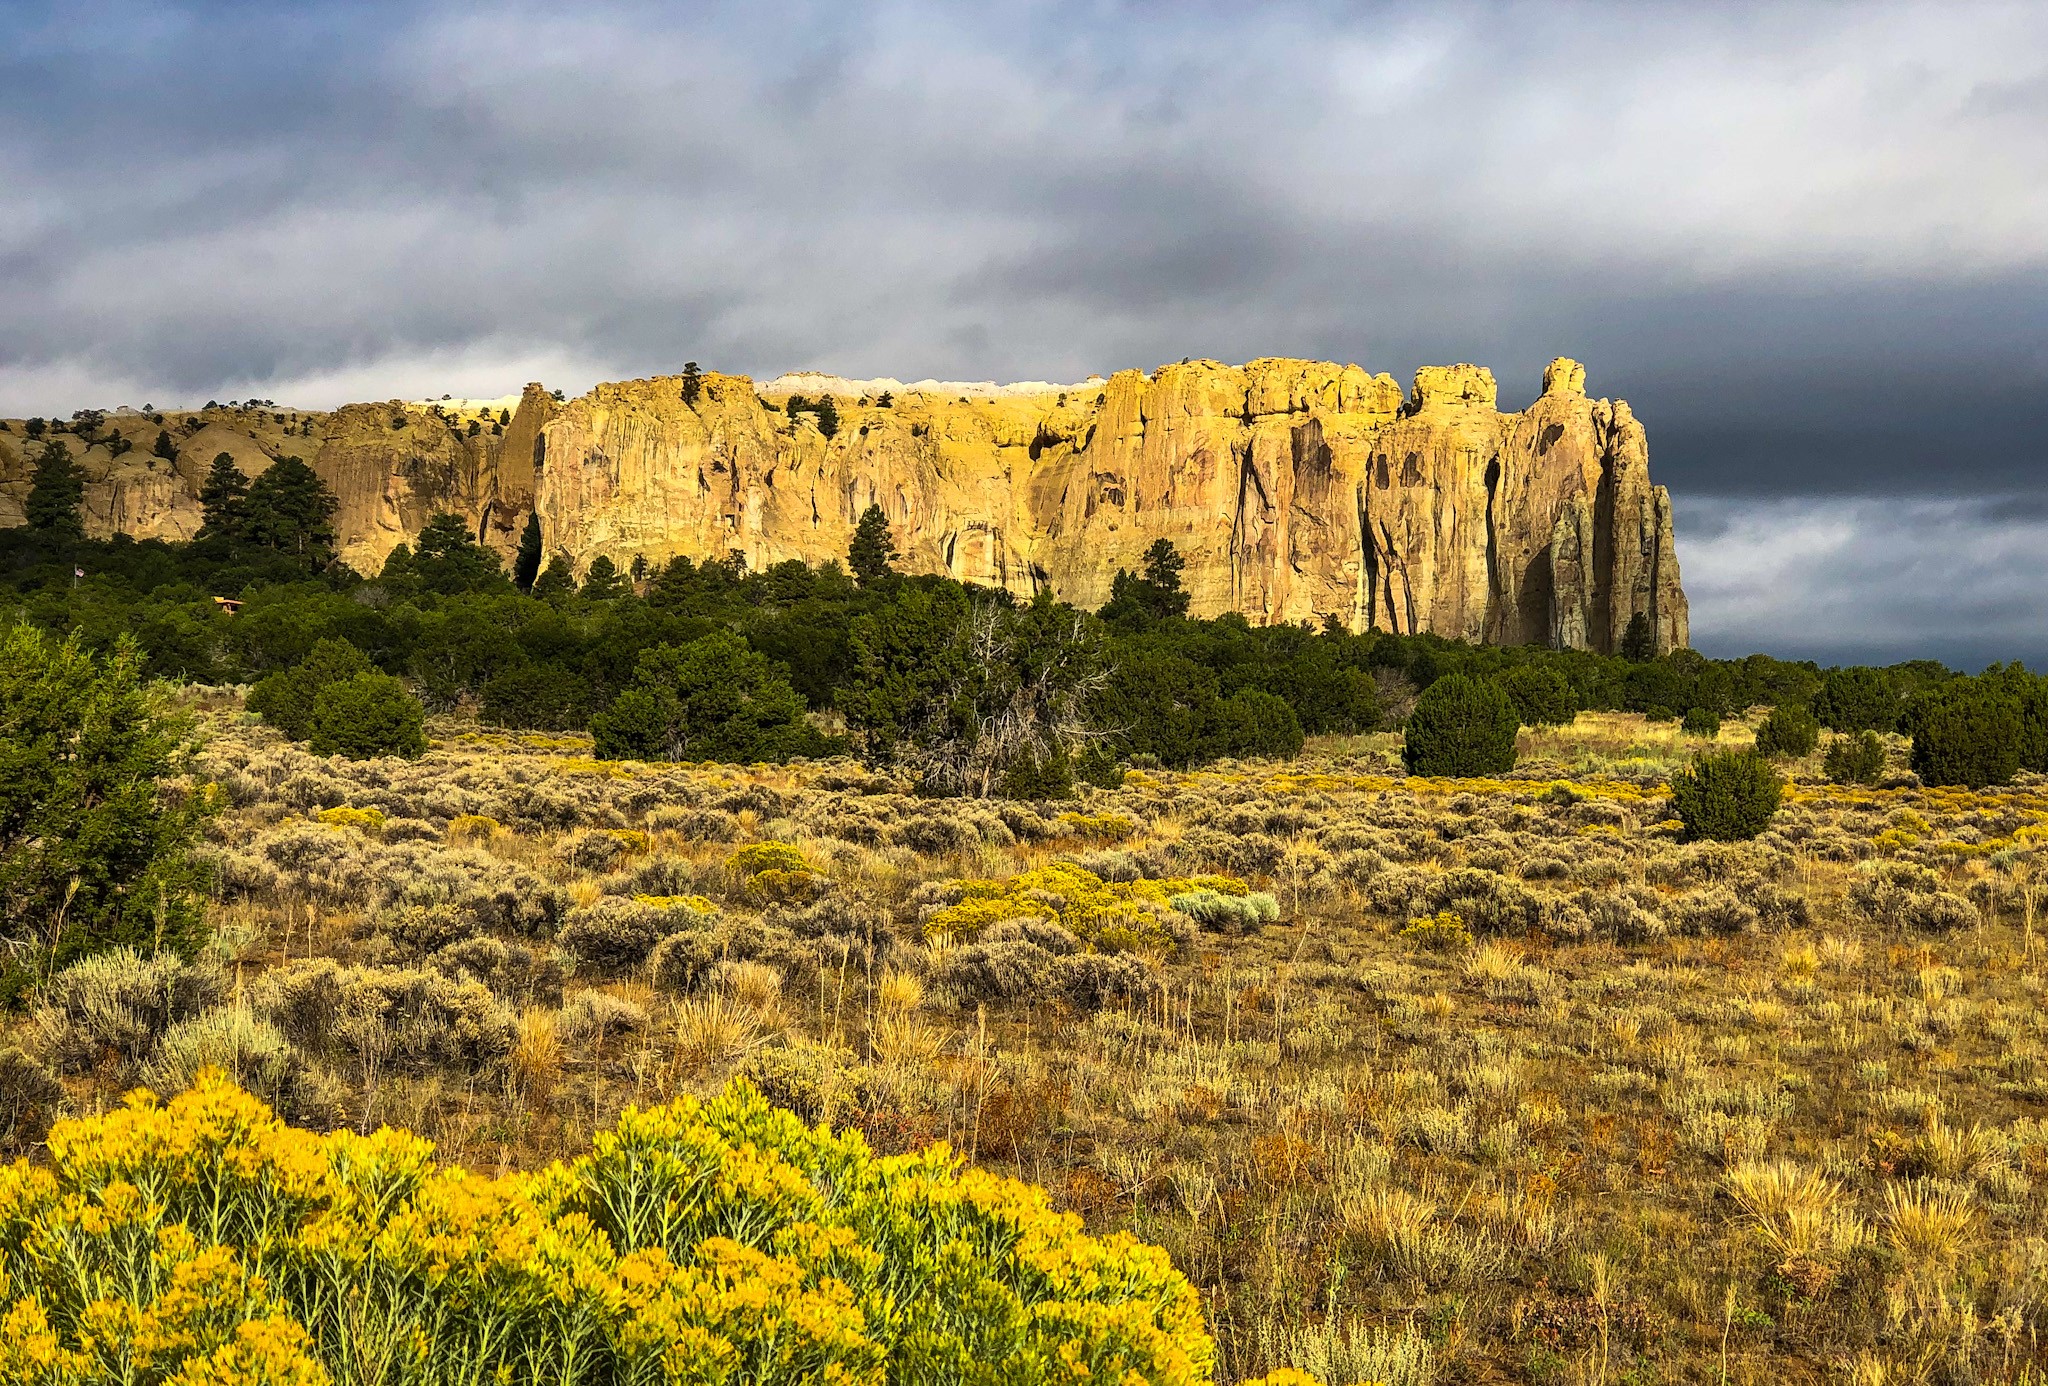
(203, 1241)
(1118, 914)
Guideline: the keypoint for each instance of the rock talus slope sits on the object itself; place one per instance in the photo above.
(1296, 490)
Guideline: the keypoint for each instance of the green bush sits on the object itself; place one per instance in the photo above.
(1461, 727)
(1255, 723)
(543, 697)
(365, 716)
(1035, 777)
(712, 699)
(1857, 759)
(1541, 696)
(1969, 736)
(95, 838)
(1726, 796)
(285, 699)
(1856, 699)
(1790, 730)
(1230, 914)
(1701, 722)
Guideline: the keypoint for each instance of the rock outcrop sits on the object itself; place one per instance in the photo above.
(1296, 490)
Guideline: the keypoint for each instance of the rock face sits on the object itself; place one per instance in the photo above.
(1296, 490)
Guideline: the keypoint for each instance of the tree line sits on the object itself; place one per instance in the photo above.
(966, 689)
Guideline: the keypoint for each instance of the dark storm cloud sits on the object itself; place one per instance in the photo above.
(1848, 581)
(1809, 243)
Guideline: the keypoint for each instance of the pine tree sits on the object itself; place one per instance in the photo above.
(602, 581)
(223, 503)
(165, 448)
(558, 582)
(828, 416)
(693, 383)
(292, 511)
(1638, 642)
(398, 568)
(796, 405)
(448, 561)
(56, 494)
(872, 549)
(526, 564)
(96, 834)
(1163, 565)
(638, 570)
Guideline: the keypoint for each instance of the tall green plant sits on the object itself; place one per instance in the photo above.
(1727, 796)
(96, 832)
(712, 699)
(56, 494)
(1461, 726)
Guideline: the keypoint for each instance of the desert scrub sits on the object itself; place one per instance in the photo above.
(379, 1019)
(613, 934)
(1229, 914)
(111, 1011)
(1096, 827)
(1112, 915)
(773, 873)
(369, 821)
(754, 858)
(691, 1243)
(1442, 932)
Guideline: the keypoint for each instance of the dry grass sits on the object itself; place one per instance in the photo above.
(1650, 1112)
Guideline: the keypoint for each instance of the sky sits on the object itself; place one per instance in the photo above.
(1808, 243)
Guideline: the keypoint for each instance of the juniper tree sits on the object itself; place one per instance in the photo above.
(1638, 642)
(95, 831)
(448, 561)
(558, 582)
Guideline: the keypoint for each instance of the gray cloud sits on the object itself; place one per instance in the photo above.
(1810, 243)
(1852, 581)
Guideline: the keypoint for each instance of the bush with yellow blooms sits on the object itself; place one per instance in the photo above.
(202, 1241)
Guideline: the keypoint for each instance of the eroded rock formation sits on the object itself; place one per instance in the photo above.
(1297, 490)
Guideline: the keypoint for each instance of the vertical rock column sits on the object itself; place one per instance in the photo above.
(1643, 558)
(1571, 569)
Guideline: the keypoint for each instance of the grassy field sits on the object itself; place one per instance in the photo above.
(1419, 1081)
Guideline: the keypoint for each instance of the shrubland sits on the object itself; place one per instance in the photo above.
(1413, 1079)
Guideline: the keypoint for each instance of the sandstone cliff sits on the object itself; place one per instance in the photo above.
(1297, 490)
